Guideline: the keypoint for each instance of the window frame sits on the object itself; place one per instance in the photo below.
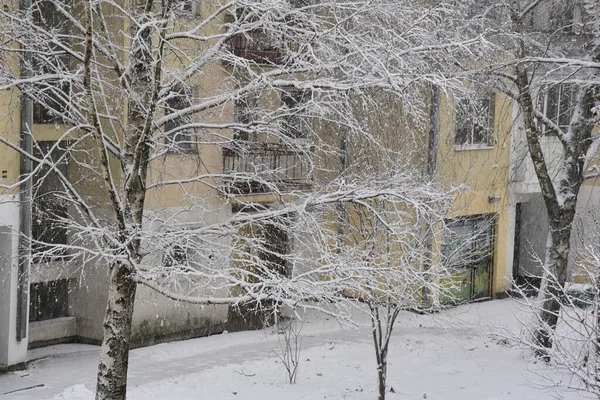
(55, 93)
(294, 125)
(43, 198)
(244, 113)
(182, 140)
(543, 99)
(479, 227)
(48, 300)
(464, 111)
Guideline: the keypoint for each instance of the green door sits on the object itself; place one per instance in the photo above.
(467, 253)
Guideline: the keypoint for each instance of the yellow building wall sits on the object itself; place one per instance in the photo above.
(483, 171)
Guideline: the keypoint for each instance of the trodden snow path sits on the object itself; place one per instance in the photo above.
(447, 356)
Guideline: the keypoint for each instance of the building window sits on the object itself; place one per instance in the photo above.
(474, 122)
(48, 300)
(175, 255)
(244, 112)
(300, 3)
(51, 99)
(275, 247)
(467, 241)
(179, 138)
(51, 96)
(187, 7)
(49, 207)
(467, 246)
(556, 103)
(257, 45)
(294, 123)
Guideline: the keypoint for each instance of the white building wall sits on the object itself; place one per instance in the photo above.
(11, 351)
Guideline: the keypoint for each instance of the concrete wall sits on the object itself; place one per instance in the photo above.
(533, 236)
(534, 231)
(586, 231)
(11, 350)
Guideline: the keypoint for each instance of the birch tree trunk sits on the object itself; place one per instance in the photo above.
(114, 356)
(556, 265)
(559, 196)
(144, 75)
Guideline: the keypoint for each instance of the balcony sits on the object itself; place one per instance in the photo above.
(256, 46)
(253, 168)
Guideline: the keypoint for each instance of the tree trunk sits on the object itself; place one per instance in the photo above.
(596, 336)
(382, 374)
(556, 265)
(114, 358)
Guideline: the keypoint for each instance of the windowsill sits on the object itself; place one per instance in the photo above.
(182, 152)
(472, 147)
(51, 329)
(56, 124)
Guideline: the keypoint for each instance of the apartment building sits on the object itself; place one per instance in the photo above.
(63, 297)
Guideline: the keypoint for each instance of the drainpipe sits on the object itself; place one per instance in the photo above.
(434, 117)
(25, 195)
(341, 209)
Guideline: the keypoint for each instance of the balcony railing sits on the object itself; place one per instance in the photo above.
(256, 46)
(265, 167)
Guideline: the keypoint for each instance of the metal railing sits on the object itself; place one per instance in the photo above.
(256, 46)
(265, 167)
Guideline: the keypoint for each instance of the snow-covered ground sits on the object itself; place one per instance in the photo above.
(455, 355)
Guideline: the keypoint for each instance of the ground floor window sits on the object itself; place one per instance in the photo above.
(48, 300)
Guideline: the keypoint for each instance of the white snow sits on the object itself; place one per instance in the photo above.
(453, 355)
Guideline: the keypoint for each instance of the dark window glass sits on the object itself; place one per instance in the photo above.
(49, 208)
(178, 138)
(474, 122)
(175, 255)
(48, 300)
(243, 114)
(51, 94)
(294, 124)
(275, 248)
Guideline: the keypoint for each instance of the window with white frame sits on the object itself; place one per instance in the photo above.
(555, 103)
(474, 122)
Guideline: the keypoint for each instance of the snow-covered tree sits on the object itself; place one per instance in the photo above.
(575, 352)
(388, 249)
(553, 72)
(168, 110)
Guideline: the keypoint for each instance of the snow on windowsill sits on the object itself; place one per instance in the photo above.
(468, 147)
